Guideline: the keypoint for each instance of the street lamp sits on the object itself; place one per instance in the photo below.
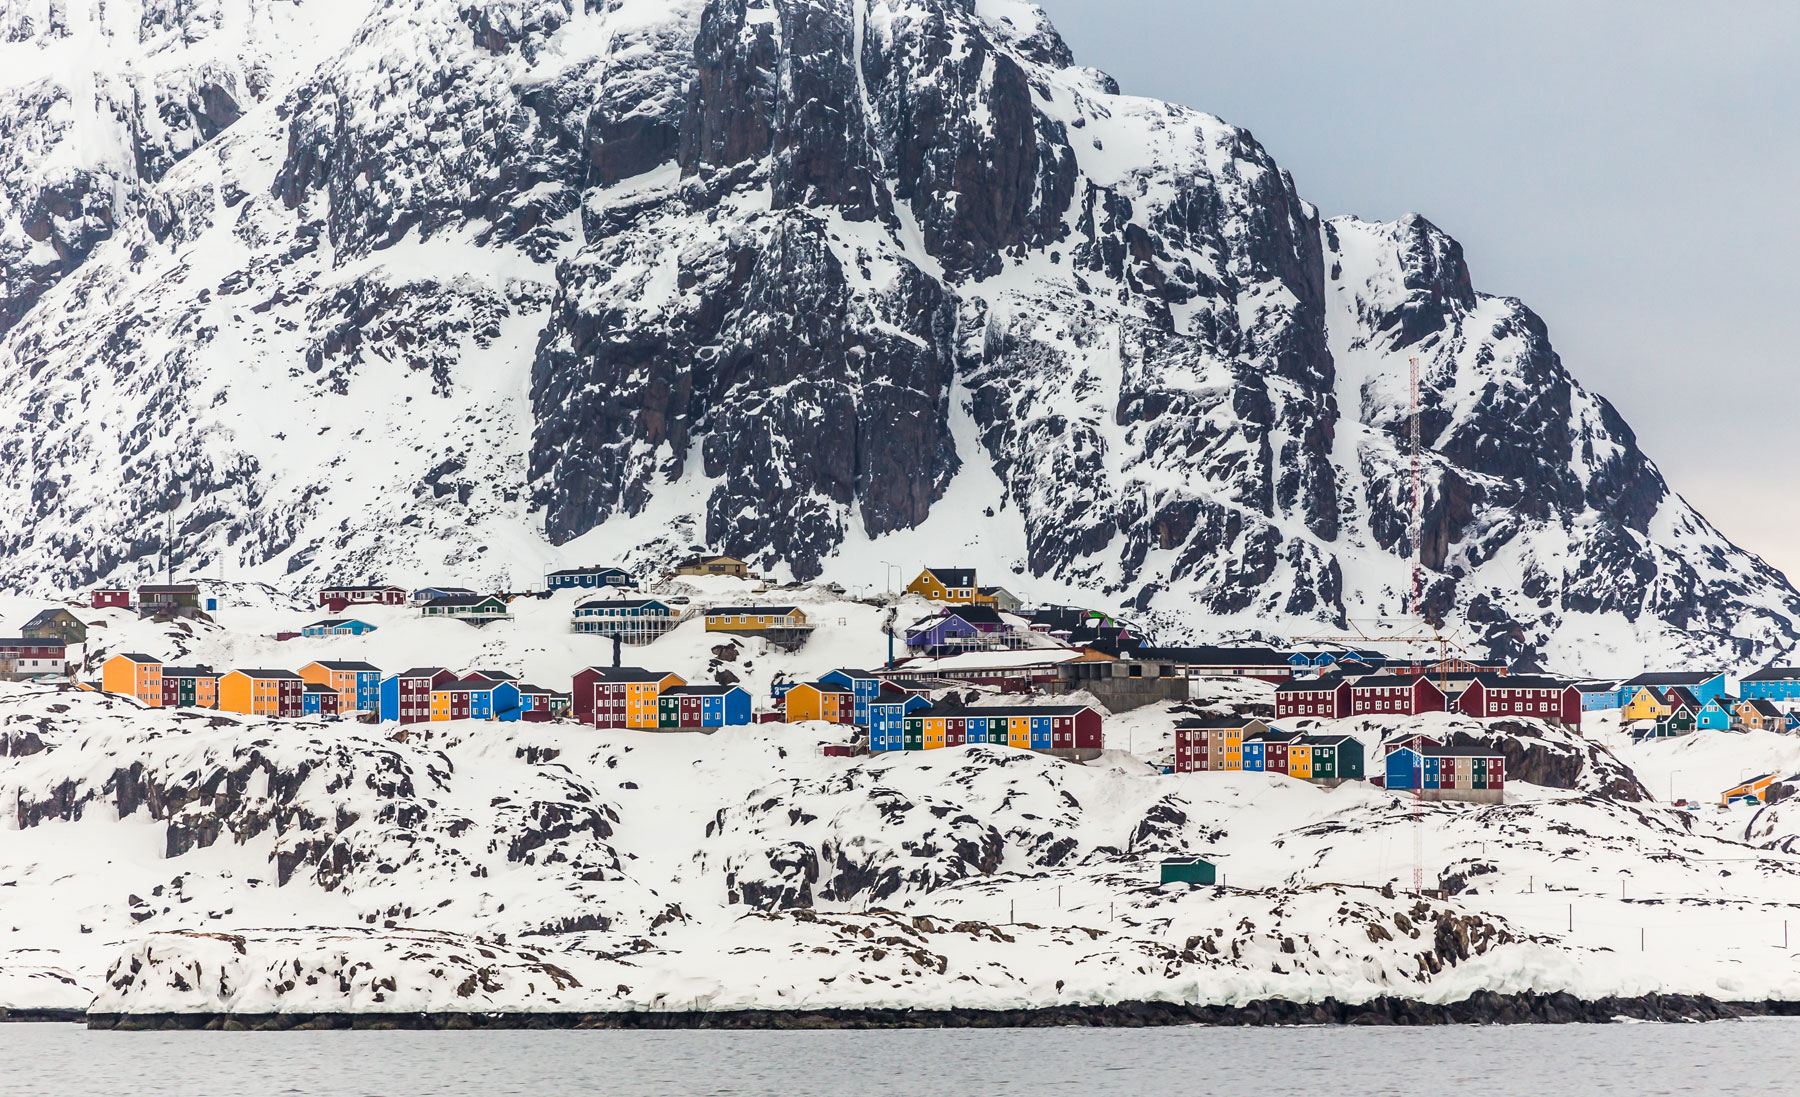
(888, 577)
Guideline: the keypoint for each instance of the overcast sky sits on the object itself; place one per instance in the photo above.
(1631, 171)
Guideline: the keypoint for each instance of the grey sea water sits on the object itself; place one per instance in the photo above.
(1758, 1057)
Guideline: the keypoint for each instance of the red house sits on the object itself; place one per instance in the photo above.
(338, 598)
(1518, 695)
(406, 697)
(620, 697)
(1327, 697)
(111, 598)
(536, 700)
(1391, 694)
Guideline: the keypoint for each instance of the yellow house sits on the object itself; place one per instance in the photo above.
(824, 701)
(934, 732)
(134, 675)
(953, 585)
(714, 565)
(1645, 704)
(753, 618)
(1300, 761)
(640, 701)
(1758, 714)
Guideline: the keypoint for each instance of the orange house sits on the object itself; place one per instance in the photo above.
(341, 678)
(261, 692)
(826, 701)
(134, 675)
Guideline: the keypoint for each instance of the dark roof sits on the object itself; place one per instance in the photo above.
(1765, 707)
(773, 611)
(1681, 695)
(462, 599)
(492, 675)
(360, 585)
(334, 665)
(1311, 685)
(189, 672)
(1329, 740)
(1673, 678)
(328, 624)
(1597, 687)
(630, 674)
(44, 615)
(954, 577)
(824, 687)
(946, 709)
(1386, 681)
(1275, 735)
(314, 687)
(1213, 656)
(847, 671)
(1207, 723)
(421, 672)
(164, 588)
(1521, 681)
(1774, 674)
(49, 641)
(138, 657)
(256, 672)
(700, 691)
(591, 569)
(974, 615)
(1464, 752)
(449, 590)
(623, 603)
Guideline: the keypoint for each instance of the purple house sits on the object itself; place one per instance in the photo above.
(957, 628)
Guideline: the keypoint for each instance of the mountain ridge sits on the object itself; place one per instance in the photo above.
(781, 279)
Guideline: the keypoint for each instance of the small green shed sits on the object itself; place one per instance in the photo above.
(1189, 870)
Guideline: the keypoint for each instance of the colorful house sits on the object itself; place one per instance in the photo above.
(827, 701)
(1645, 703)
(339, 596)
(55, 624)
(1718, 714)
(190, 687)
(133, 675)
(431, 594)
(476, 699)
(953, 630)
(1425, 766)
(23, 657)
(635, 621)
(1334, 757)
(1491, 695)
(691, 708)
(358, 685)
(262, 692)
(1759, 714)
(752, 619)
(541, 704)
(1073, 731)
(887, 717)
(1390, 694)
(1682, 719)
(1755, 790)
(176, 600)
(714, 565)
(468, 607)
(1600, 696)
(1772, 684)
(598, 575)
(1215, 745)
(864, 685)
(1325, 697)
(406, 697)
(110, 598)
(317, 700)
(337, 626)
(1703, 685)
(621, 697)
(953, 585)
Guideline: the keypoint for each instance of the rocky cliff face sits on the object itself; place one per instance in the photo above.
(779, 278)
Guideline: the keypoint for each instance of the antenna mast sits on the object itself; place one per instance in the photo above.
(1418, 608)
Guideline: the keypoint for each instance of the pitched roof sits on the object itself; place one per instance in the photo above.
(314, 687)
(974, 615)
(1520, 681)
(336, 665)
(333, 623)
(1764, 707)
(700, 691)
(45, 616)
(1216, 656)
(421, 672)
(1681, 695)
(189, 672)
(1387, 681)
(622, 603)
(1208, 723)
(771, 611)
(825, 687)
(263, 672)
(1329, 740)
(462, 599)
(953, 577)
(492, 675)
(1774, 674)
(591, 569)
(1673, 678)
(849, 673)
(448, 590)
(45, 642)
(629, 674)
(137, 657)
(1311, 685)
(944, 708)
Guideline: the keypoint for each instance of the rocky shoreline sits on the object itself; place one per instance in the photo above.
(1484, 1007)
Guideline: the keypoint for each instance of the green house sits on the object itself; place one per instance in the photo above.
(1189, 870)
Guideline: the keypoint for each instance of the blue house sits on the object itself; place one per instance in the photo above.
(706, 706)
(598, 575)
(862, 684)
(341, 626)
(634, 618)
(1717, 714)
(1772, 684)
(953, 630)
(1598, 696)
(887, 717)
(1704, 685)
(491, 700)
(1254, 753)
(1304, 662)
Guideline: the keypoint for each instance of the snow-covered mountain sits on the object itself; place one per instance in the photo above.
(466, 287)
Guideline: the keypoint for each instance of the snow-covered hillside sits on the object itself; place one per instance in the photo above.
(186, 860)
(452, 290)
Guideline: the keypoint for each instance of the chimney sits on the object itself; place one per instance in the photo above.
(616, 644)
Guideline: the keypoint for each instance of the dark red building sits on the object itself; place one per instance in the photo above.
(111, 598)
(1519, 695)
(1395, 694)
(1326, 697)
